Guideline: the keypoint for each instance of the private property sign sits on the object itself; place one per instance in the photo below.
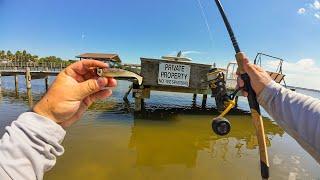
(174, 74)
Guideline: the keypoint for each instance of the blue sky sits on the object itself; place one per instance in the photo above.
(151, 28)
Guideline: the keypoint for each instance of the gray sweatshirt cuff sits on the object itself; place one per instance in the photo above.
(42, 125)
(30, 146)
(268, 93)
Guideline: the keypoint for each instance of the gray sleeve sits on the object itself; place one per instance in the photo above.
(29, 147)
(297, 114)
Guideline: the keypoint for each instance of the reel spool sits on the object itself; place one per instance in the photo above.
(221, 126)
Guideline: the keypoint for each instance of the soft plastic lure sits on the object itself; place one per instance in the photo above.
(118, 73)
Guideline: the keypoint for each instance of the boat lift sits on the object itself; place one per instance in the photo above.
(278, 75)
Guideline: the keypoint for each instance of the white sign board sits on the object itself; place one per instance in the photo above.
(174, 74)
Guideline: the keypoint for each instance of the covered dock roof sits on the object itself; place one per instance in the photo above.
(100, 57)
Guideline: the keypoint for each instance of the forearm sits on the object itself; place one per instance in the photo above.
(30, 146)
(297, 114)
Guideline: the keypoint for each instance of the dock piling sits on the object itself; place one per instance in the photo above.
(137, 104)
(0, 82)
(16, 84)
(46, 81)
(194, 100)
(30, 98)
(28, 78)
(204, 100)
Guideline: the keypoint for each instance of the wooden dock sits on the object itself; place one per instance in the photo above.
(193, 78)
(41, 71)
(30, 71)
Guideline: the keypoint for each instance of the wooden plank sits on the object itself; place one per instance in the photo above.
(180, 89)
(279, 78)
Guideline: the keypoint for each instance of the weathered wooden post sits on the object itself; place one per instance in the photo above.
(46, 79)
(30, 98)
(204, 100)
(28, 78)
(194, 100)
(16, 83)
(140, 93)
(0, 82)
(137, 94)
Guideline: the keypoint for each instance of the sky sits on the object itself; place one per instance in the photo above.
(289, 29)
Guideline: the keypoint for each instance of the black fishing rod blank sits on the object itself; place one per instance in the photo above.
(252, 99)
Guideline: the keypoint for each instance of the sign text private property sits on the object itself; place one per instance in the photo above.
(174, 74)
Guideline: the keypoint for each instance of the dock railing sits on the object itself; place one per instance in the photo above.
(40, 67)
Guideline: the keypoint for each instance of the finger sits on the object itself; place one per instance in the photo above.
(240, 82)
(90, 75)
(85, 104)
(84, 66)
(112, 82)
(91, 86)
(244, 93)
(101, 95)
(249, 68)
(258, 68)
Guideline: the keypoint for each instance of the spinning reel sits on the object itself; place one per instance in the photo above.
(220, 125)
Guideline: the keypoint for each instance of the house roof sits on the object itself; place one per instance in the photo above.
(100, 56)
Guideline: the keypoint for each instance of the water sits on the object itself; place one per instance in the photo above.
(171, 140)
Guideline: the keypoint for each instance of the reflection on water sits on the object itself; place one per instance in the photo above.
(171, 140)
(177, 140)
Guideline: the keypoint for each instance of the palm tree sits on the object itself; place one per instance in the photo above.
(9, 55)
(24, 56)
(2, 54)
(28, 57)
(18, 56)
(34, 58)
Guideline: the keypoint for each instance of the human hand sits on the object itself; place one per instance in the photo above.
(73, 91)
(259, 78)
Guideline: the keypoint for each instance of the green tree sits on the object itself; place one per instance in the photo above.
(2, 55)
(50, 59)
(24, 56)
(9, 55)
(18, 55)
(34, 58)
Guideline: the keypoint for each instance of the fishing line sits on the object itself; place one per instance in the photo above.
(204, 17)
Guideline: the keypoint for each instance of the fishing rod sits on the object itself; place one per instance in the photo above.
(252, 98)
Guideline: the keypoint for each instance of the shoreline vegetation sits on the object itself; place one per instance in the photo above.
(24, 56)
(305, 89)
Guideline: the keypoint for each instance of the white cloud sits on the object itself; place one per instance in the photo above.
(301, 11)
(316, 5)
(303, 73)
(185, 53)
(313, 8)
(191, 52)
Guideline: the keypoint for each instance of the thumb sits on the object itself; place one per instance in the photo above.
(91, 86)
(249, 68)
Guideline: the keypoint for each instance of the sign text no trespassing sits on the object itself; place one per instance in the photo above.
(174, 74)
